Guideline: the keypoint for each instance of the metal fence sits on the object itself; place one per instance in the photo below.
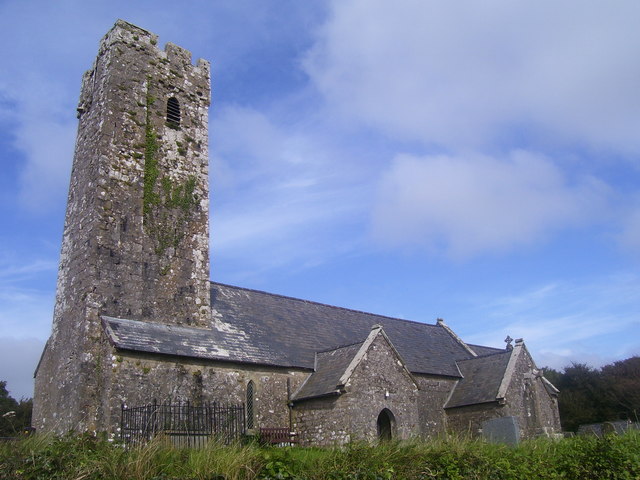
(183, 424)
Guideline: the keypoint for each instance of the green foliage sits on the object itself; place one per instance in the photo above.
(166, 205)
(91, 458)
(15, 415)
(150, 197)
(589, 395)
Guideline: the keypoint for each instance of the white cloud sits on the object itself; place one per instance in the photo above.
(469, 73)
(629, 237)
(44, 136)
(469, 204)
(18, 360)
(46, 174)
(279, 196)
(590, 322)
(25, 311)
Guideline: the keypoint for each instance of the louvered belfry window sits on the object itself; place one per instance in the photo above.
(173, 112)
(250, 396)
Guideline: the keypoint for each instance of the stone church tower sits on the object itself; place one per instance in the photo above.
(135, 241)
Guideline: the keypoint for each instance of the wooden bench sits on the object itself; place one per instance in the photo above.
(277, 436)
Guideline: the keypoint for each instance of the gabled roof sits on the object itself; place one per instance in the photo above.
(251, 326)
(482, 378)
(330, 367)
(335, 367)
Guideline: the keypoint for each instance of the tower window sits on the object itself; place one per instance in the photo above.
(250, 397)
(173, 112)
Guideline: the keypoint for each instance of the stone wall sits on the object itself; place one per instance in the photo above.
(529, 401)
(379, 381)
(468, 420)
(433, 395)
(323, 421)
(138, 379)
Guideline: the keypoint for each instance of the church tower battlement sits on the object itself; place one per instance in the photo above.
(136, 235)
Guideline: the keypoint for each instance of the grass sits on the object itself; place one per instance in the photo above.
(83, 457)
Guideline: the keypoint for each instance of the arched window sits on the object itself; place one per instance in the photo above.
(173, 112)
(250, 398)
(385, 422)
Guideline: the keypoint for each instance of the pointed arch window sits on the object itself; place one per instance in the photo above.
(250, 404)
(173, 112)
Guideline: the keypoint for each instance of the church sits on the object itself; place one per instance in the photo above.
(137, 318)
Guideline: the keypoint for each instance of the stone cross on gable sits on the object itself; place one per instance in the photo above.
(508, 341)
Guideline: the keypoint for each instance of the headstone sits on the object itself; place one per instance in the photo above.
(591, 429)
(501, 430)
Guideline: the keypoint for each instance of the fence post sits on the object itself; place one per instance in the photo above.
(122, 420)
(154, 418)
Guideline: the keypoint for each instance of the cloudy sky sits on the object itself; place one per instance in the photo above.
(475, 161)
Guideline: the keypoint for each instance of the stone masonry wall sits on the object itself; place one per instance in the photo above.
(378, 382)
(528, 400)
(432, 396)
(468, 420)
(323, 421)
(135, 242)
(139, 379)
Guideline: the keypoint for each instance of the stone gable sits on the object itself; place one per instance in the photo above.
(379, 380)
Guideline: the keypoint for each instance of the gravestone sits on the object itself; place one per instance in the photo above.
(501, 430)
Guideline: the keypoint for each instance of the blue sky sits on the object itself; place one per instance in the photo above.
(475, 161)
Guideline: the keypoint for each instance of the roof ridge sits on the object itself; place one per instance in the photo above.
(326, 350)
(483, 346)
(441, 323)
(322, 304)
(501, 352)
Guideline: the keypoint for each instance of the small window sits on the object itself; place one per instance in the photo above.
(173, 112)
(250, 397)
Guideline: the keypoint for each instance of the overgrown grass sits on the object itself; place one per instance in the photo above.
(88, 458)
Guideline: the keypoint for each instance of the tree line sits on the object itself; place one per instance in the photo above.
(592, 395)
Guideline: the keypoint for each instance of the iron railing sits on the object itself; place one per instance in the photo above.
(183, 424)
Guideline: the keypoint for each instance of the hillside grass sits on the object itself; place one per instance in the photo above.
(85, 457)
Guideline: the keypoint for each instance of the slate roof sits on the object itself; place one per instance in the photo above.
(481, 380)
(251, 326)
(330, 366)
(159, 338)
(482, 350)
(296, 329)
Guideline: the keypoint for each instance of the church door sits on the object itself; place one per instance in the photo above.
(385, 423)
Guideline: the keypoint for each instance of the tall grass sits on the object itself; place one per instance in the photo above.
(88, 458)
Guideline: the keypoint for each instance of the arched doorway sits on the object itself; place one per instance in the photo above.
(386, 421)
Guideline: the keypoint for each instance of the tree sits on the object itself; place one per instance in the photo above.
(621, 382)
(14, 416)
(589, 395)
